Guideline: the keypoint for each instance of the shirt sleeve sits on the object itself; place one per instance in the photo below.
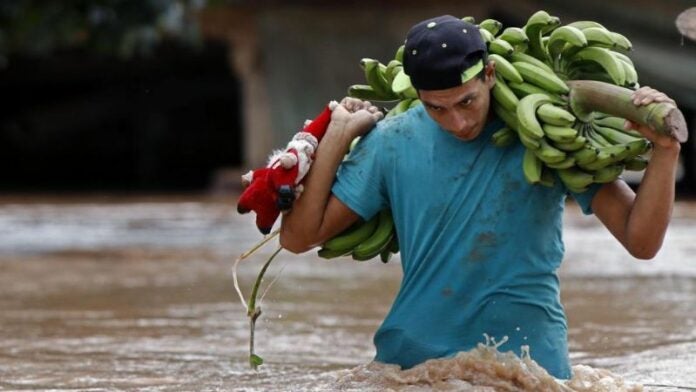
(360, 178)
(584, 199)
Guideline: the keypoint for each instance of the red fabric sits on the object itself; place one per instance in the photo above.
(263, 193)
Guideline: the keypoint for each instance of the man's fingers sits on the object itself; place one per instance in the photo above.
(647, 95)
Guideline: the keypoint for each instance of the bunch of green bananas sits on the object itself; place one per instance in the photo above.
(380, 81)
(365, 240)
(533, 64)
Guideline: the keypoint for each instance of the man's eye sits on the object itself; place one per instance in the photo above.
(434, 108)
(466, 102)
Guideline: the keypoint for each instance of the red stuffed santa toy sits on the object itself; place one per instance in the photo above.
(272, 189)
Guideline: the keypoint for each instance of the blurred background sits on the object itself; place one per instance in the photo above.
(124, 128)
(163, 95)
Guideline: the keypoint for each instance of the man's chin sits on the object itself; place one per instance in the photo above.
(467, 136)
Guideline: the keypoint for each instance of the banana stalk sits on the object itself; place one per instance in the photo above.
(588, 96)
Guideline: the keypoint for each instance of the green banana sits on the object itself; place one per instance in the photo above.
(549, 154)
(469, 19)
(554, 115)
(541, 78)
(610, 121)
(375, 76)
(486, 36)
(492, 25)
(552, 26)
(621, 42)
(623, 57)
(575, 179)
(585, 155)
(353, 236)
(629, 69)
(531, 167)
(514, 35)
(399, 55)
(562, 35)
(598, 76)
(528, 141)
(631, 74)
(604, 58)
(509, 118)
(564, 164)
(500, 47)
(604, 159)
(637, 163)
(400, 107)
(385, 255)
(394, 244)
(575, 145)
(364, 92)
(414, 103)
(526, 115)
(638, 147)
(523, 57)
(331, 254)
(608, 173)
(379, 240)
(503, 137)
(560, 134)
(523, 89)
(504, 96)
(392, 70)
(505, 69)
(354, 143)
(402, 84)
(598, 36)
(613, 135)
(535, 24)
(585, 24)
(597, 140)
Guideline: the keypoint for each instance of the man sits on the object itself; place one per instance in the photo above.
(479, 245)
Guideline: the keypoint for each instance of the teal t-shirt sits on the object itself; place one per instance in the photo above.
(479, 245)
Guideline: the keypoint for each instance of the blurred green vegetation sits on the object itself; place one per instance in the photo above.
(123, 28)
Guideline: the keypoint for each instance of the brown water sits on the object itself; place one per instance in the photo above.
(136, 294)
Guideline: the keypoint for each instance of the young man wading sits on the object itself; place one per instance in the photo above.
(479, 245)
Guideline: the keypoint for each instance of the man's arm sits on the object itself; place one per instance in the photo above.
(639, 221)
(317, 215)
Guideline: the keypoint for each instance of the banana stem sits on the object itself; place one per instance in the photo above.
(253, 312)
(587, 96)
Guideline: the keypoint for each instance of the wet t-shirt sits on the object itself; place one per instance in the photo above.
(479, 245)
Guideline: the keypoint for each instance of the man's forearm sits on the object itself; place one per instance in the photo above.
(653, 205)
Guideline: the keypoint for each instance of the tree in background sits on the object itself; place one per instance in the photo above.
(124, 28)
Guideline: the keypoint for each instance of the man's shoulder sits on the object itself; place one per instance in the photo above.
(404, 123)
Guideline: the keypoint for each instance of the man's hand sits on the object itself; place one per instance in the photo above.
(355, 117)
(645, 96)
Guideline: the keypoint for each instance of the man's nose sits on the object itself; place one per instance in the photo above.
(458, 121)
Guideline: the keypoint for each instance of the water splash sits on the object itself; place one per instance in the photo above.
(483, 368)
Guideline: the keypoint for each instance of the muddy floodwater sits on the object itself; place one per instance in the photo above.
(136, 293)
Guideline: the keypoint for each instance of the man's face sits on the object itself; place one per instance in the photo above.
(462, 111)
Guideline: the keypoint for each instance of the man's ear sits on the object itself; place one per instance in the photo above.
(490, 74)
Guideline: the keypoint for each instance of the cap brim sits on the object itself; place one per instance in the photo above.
(401, 82)
(472, 71)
